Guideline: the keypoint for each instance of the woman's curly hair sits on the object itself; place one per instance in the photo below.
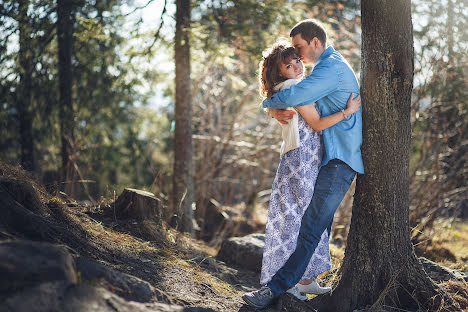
(269, 69)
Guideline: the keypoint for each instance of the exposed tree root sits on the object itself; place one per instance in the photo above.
(408, 289)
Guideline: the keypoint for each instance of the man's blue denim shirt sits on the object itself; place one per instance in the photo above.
(329, 85)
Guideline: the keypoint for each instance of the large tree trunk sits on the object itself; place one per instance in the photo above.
(183, 163)
(380, 267)
(24, 94)
(65, 42)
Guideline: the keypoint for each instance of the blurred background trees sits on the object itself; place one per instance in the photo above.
(117, 122)
(440, 104)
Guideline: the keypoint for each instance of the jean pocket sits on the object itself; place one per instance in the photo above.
(347, 181)
(351, 178)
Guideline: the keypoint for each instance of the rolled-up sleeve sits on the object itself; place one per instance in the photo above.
(321, 82)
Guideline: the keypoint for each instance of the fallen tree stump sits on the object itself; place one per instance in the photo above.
(137, 204)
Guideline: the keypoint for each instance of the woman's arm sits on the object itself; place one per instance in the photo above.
(323, 81)
(311, 116)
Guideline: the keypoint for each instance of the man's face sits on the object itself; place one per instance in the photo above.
(306, 50)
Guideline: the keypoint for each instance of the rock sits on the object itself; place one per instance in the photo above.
(230, 221)
(137, 204)
(440, 273)
(27, 263)
(125, 285)
(153, 231)
(246, 251)
(23, 214)
(23, 193)
(63, 297)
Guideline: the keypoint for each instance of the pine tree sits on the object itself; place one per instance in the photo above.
(380, 266)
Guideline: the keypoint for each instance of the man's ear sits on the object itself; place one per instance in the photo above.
(316, 42)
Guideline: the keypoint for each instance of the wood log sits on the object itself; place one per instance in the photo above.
(138, 204)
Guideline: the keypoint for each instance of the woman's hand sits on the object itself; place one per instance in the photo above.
(353, 105)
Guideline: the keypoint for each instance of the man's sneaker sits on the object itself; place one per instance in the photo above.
(259, 299)
(312, 288)
(295, 292)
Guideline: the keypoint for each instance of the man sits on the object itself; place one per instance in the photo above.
(329, 85)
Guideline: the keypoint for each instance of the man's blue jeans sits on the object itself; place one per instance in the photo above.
(333, 181)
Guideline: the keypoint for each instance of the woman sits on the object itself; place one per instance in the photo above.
(293, 187)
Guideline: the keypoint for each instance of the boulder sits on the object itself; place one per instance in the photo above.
(125, 285)
(246, 251)
(26, 263)
(137, 204)
(63, 296)
(23, 193)
(23, 214)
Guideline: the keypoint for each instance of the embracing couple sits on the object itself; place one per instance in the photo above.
(316, 169)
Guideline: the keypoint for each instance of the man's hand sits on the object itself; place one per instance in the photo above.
(282, 115)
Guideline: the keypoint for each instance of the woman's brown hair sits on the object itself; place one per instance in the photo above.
(269, 69)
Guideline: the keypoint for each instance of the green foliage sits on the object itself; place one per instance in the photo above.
(120, 142)
(123, 94)
(109, 144)
(246, 25)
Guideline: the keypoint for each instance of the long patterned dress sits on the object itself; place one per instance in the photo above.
(291, 194)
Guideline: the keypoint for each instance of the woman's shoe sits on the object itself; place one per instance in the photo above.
(312, 288)
(295, 292)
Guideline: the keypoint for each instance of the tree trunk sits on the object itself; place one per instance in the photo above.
(65, 42)
(137, 204)
(183, 163)
(450, 30)
(24, 94)
(380, 267)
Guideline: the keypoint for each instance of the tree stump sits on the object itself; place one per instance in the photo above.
(137, 204)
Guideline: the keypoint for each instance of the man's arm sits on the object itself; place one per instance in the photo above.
(282, 115)
(322, 81)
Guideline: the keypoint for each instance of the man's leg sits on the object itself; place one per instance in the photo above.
(333, 182)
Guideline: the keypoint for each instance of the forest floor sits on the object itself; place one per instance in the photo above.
(186, 270)
(453, 236)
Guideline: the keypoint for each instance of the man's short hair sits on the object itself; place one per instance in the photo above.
(309, 29)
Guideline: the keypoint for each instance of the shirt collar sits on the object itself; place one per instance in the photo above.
(328, 51)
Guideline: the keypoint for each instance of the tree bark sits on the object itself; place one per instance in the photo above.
(183, 163)
(138, 204)
(24, 94)
(65, 22)
(380, 267)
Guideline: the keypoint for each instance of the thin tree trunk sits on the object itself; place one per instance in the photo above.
(380, 267)
(450, 30)
(24, 94)
(65, 42)
(183, 163)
